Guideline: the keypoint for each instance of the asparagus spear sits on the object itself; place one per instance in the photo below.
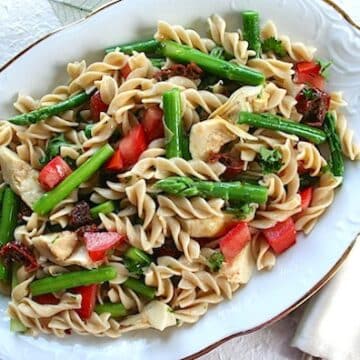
(251, 30)
(273, 122)
(104, 208)
(336, 157)
(9, 210)
(213, 65)
(234, 190)
(115, 310)
(147, 46)
(172, 118)
(51, 110)
(138, 256)
(140, 288)
(72, 279)
(15, 324)
(52, 198)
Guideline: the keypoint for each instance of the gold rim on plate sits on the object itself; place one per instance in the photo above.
(318, 285)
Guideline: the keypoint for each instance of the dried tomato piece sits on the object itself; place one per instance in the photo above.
(313, 104)
(86, 228)
(14, 252)
(190, 71)
(167, 249)
(24, 210)
(80, 215)
(234, 165)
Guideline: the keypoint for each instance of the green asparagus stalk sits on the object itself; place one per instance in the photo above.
(15, 324)
(51, 110)
(273, 122)
(150, 46)
(138, 256)
(140, 288)
(336, 158)
(185, 147)
(251, 30)
(174, 127)
(115, 310)
(9, 211)
(104, 208)
(233, 191)
(52, 198)
(72, 279)
(224, 69)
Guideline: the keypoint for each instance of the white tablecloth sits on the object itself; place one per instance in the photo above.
(22, 22)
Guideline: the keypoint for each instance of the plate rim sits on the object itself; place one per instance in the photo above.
(311, 292)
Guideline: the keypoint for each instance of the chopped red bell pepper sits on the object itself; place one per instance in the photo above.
(235, 240)
(53, 173)
(132, 145)
(97, 106)
(306, 197)
(88, 300)
(307, 72)
(98, 243)
(153, 123)
(125, 71)
(115, 163)
(281, 236)
(46, 299)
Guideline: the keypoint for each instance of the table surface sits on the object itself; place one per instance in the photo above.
(21, 23)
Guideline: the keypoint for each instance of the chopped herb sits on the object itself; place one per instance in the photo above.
(272, 45)
(133, 267)
(309, 93)
(308, 181)
(53, 148)
(270, 160)
(218, 52)
(240, 212)
(87, 130)
(324, 68)
(215, 261)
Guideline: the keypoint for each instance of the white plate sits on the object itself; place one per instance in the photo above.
(300, 269)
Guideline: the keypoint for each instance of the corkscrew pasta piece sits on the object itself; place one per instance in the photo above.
(183, 36)
(231, 41)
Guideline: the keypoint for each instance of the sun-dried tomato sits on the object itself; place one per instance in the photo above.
(167, 249)
(14, 252)
(24, 210)
(86, 228)
(80, 215)
(313, 104)
(234, 165)
(190, 71)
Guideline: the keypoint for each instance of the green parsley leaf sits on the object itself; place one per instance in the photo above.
(324, 68)
(272, 45)
(133, 267)
(309, 93)
(240, 212)
(215, 261)
(270, 160)
(53, 148)
(308, 181)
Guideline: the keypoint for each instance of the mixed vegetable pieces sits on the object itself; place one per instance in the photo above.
(239, 188)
